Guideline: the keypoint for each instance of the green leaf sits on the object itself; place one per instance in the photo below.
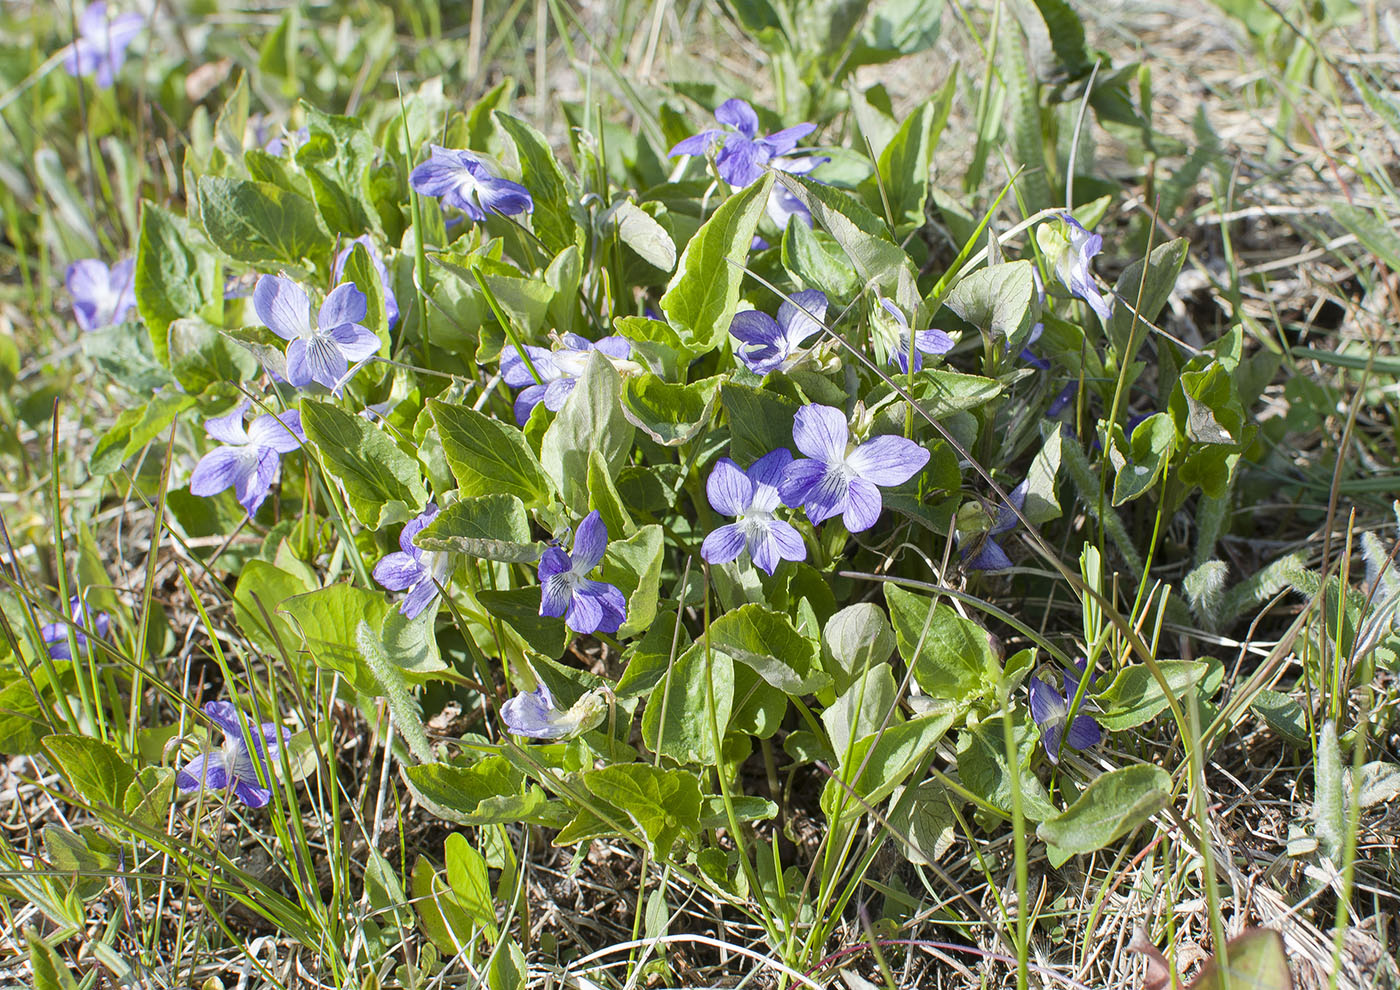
(263, 583)
(148, 796)
(605, 498)
(137, 427)
(896, 28)
(360, 270)
(48, 970)
(336, 157)
(858, 637)
(200, 356)
(591, 420)
(862, 235)
(1041, 504)
(881, 762)
(904, 166)
(814, 259)
(1329, 810)
(261, 224)
(174, 278)
(997, 300)
(463, 794)
(1257, 959)
(862, 709)
(941, 392)
(701, 299)
(1135, 697)
(677, 720)
(92, 767)
(634, 565)
(520, 609)
(470, 880)
(663, 804)
(670, 414)
(493, 527)
(1163, 267)
(759, 421)
(129, 357)
(326, 620)
(1371, 230)
(768, 642)
(639, 231)
(382, 484)
(1066, 36)
(488, 457)
(552, 219)
(954, 659)
(1112, 805)
(983, 767)
(446, 923)
(1284, 715)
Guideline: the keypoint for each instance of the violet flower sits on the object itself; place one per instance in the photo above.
(558, 370)
(841, 478)
(989, 554)
(565, 588)
(1027, 355)
(55, 634)
(422, 573)
(742, 158)
(294, 141)
(102, 296)
(322, 353)
(463, 179)
(249, 460)
(1073, 266)
(1050, 710)
(99, 50)
(768, 344)
(391, 304)
(751, 496)
(234, 765)
(535, 714)
(931, 342)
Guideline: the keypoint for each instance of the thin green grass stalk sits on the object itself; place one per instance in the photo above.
(1018, 837)
(1205, 849)
(146, 612)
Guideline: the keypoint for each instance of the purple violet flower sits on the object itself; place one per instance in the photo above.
(1050, 710)
(535, 714)
(294, 141)
(55, 634)
(742, 158)
(989, 554)
(463, 179)
(249, 460)
(233, 765)
(99, 50)
(559, 370)
(841, 478)
(325, 352)
(422, 573)
(932, 342)
(751, 496)
(391, 304)
(769, 344)
(102, 296)
(1073, 266)
(565, 588)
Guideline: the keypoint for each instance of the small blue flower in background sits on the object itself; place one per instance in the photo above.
(751, 496)
(989, 554)
(841, 478)
(1050, 710)
(102, 296)
(931, 342)
(463, 180)
(233, 765)
(565, 588)
(768, 344)
(422, 573)
(322, 353)
(742, 158)
(535, 714)
(558, 369)
(1073, 266)
(292, 141)
(391, 304)
(55, 634)
(99, 50)
(250, 459)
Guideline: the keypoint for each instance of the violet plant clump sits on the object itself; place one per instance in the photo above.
(535, 715)
(930, 343)
(248, 460)
(767, 344)
(464, 180)
(1050, 710)
(324, 352)
(85, 623)
(235, 765)
(558, 370)
(743, 153)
